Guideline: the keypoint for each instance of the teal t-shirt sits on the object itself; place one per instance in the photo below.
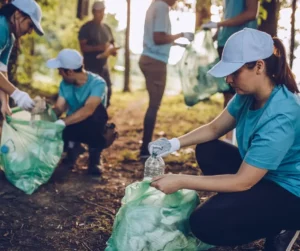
(6, 43)
(232, 9)
(269, 137)
(77, 96)
(157, 20)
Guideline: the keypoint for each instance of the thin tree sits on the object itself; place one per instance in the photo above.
(292, 45)
(127, 51)
(82, 8)
(268, 16)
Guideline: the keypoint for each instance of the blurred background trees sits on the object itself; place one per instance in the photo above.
(62, 20)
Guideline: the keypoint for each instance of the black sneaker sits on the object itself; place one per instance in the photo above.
(281, 242)
(72, 155)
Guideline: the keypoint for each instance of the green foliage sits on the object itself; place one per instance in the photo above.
(61, 29)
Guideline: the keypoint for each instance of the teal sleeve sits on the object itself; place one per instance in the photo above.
(161, 19)
(271, 143)
(99, 90)
(5, 49)
(61, 92)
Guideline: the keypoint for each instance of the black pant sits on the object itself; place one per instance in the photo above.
(106, 76)
(236, 218)
(90, 130)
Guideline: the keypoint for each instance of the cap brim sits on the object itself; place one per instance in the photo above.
(223, 69)
(53, 63)
(37, 27)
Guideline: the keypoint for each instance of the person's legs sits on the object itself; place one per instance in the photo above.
(229, 219)
(155, 73)
(106, 76)
(90, 131)
(218, 157)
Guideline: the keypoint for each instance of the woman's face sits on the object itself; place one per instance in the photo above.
(23, 24)
(243, 81)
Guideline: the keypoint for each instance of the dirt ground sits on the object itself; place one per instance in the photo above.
(74, 211)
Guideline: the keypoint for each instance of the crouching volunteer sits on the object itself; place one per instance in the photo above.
(18, 18)
(258, 182)
(82, 95)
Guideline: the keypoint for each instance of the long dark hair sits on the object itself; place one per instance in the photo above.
(277, 67)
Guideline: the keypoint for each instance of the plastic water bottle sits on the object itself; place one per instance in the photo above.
(154, 166)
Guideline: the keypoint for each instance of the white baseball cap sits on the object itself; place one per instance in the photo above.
(67, 59)
(98, 5)
(33, 10)
(247, 45)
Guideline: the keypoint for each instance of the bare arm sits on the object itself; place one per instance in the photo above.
(90, 48)
(83, 113)
(5, 85)
(60, 106)
(160, 38)
(244, 179)
(249, 14)
(213, 130)
(3, 95)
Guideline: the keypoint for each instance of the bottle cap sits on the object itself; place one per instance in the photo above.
(4, 149)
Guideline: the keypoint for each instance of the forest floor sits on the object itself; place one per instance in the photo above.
(74, 211)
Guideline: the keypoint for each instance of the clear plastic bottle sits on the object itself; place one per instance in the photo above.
(154, 166)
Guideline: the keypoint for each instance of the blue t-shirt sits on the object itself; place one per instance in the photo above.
(269, 137)
(6, 43)
(157, 20)
(77, 96)
(232, 9)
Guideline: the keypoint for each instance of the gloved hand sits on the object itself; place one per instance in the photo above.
(209, 25)
(60, 122)
(22, 99)
(163, 146)
(188, 35)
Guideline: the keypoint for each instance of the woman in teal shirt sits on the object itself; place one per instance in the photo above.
(16, 19)
(258, 182)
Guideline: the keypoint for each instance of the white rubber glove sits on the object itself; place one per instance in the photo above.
(163, 146)
(210, 25)
(22, 99)
(60, 122)
(188, 35)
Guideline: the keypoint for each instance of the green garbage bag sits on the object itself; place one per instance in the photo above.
(30, 150)
(150, 220)
(199, 57)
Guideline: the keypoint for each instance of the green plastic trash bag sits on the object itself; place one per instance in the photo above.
(199, 57)
(30, 150)
(150, 220)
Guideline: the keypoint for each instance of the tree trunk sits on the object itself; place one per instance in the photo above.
(292, 45)
(270, 24)
(82, 8)
(202, 12)
(127, 52)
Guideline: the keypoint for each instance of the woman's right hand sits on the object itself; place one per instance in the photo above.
(162, 147)
(22, 100)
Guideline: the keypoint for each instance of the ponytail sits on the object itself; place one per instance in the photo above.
(278, 69)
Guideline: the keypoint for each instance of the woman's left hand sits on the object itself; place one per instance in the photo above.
(167, 183)
(5, 110)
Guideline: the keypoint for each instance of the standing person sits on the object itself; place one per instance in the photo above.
(17, 19)
(83, 95)
(153, 61)
(237, 16)
(96, 38)
(258, 183)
